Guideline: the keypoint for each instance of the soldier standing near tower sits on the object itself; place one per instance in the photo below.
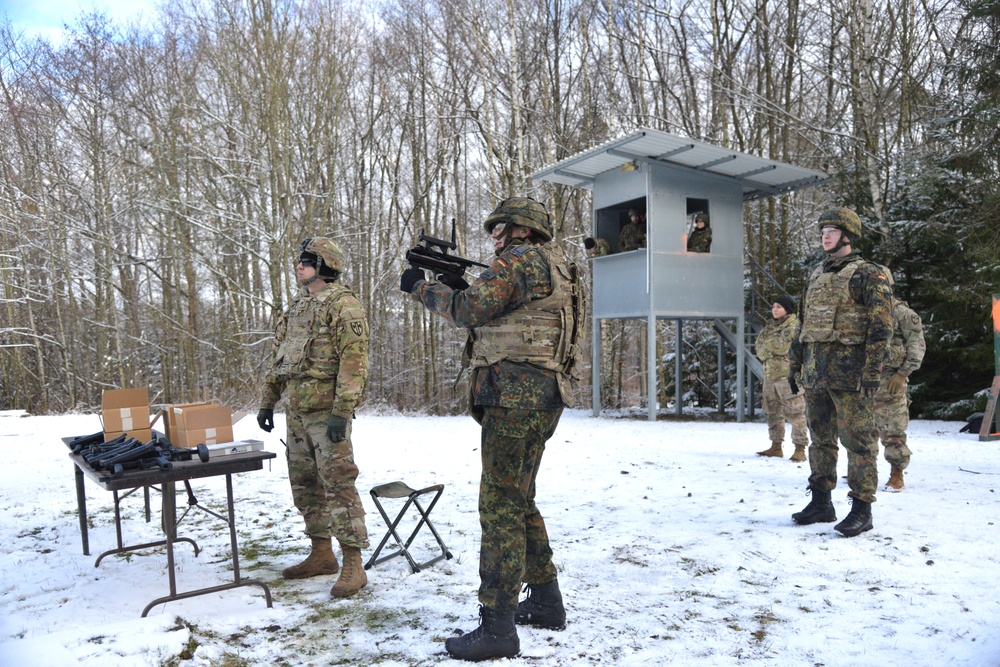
(845, 329)
(525, 315)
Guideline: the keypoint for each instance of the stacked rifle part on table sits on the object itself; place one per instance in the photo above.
(123, 453)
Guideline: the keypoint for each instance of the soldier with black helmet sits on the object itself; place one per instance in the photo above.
(320, 363)
(837, 355)
(525, 316)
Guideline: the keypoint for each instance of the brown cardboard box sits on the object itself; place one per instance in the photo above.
(171, 419)
(125, 410)
(207, 423)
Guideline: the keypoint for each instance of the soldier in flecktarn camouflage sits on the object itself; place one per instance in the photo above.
(320, 363)
(837, 355)
(525, 315)
(633, 234)
(700, 239)
(892, 403)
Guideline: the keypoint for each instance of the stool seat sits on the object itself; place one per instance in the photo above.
(396, 490)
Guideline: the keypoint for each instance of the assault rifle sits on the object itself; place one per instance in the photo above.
(433, 256)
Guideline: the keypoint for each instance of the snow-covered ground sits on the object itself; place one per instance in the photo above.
(674, 543)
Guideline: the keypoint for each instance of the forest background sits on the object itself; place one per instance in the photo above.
(156, 180)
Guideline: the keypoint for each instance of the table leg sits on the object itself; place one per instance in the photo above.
(81, 509)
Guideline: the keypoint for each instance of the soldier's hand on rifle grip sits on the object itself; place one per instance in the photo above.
(265, 419)
(791, 382)
(453, 281)
(336, 428)
(410, 278)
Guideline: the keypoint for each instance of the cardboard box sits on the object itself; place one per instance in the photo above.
(124, 410)
(207, 423)
(172, 419)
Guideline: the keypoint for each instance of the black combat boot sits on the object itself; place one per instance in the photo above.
(496, 637)
(858, 521)
(819, 510)
(543, 608)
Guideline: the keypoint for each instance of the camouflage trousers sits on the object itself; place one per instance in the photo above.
(515, 545)
(892, 417)
(780, 404)
(322, 474)
(846, 415)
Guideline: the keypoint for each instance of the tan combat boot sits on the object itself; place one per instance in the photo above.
(895, 479)
(321, 560)
(799, 454)
(352, 578)
(774, 451)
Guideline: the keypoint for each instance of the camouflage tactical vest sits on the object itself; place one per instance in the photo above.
(308, 347)
(547, 332)
(831, 315)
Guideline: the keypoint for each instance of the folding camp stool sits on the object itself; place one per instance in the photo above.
(401, 490)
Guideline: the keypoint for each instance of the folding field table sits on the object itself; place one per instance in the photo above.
(180, 471)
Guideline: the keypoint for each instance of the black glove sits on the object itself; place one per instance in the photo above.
(869, 388)
(791, 382)
(453, 281)
(410, 278)
(336, 428)
(265, 419)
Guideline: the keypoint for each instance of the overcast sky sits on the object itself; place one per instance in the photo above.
(45, 18)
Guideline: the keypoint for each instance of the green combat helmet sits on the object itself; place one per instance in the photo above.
(523, 211)
(843, 219)
(331, 260)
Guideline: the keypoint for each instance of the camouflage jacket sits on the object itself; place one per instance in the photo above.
(600, 249)
(700, 240)
(320, 353)
(518, 276)
(772, 346)
(907, 347)
(834, 364)
(632, 237)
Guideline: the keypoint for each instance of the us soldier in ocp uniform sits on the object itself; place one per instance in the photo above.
(892, 404)
(320, 361)
(842, 339)
(525, 315)
(779, 402)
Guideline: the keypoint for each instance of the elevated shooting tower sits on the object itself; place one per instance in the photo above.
(673, 179)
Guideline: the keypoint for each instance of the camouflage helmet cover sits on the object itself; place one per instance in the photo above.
(523, 211)
(331, 254)
(843, 219)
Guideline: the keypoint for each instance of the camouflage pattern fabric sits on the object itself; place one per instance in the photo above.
(632, 236)
(772, 345)
(832, 373)
(322, 342)
(846, 415)
(323, 474)
(319, 361)
(833, 365)
(780, 404)
(600, 249)
(700, 240)
(892, 411)
(518, 406)
(510, 282)
(515, 545)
